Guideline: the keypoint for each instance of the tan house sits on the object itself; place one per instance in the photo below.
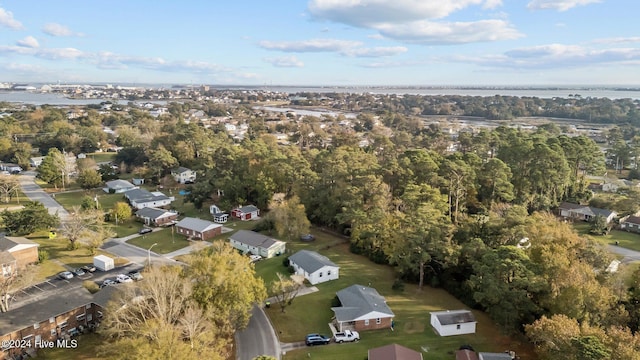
(17, 252)
(362, 308)
(393, 352)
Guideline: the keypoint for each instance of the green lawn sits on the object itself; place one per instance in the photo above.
(14, 201)
(166, 242)
(625, 239)
(87, 344)
(60, 255)
(311, 313)
(74, 198)
(102, 156)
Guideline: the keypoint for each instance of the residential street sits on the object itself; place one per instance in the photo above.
(258, 338)
(35, 193)
(629, 255)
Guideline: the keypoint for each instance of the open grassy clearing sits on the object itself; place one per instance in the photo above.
(102, 156)
(166, 243)
(86, 349)
(311, 313)
(625, 239)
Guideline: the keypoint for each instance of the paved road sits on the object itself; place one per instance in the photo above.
(258, 338)
(628, 254)
(35, 193)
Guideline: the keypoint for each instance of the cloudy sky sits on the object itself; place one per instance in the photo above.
(322, 42)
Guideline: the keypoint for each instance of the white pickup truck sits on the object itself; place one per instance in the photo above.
(346, 336)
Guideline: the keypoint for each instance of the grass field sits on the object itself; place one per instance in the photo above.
(312, 313)
(86, 350)
(74, 198)
(166, 242)
(60, 256)
(102, 156)
(625, 239)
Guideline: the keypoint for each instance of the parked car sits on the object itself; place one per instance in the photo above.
(316, 339)
(107, 282)
(307, 237)
(122, 278)
(65, 275)
(89, 268)
(135, 275)
(255, 258)
(346, 336)
(78, 272)
(145, 230)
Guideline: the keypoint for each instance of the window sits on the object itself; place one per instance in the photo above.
(89, 317)
(366, 322)
(320, 274)
(53, 332)
(63, 325)
(80, 317)
(328, 272)
(458, 326)
(378, 321)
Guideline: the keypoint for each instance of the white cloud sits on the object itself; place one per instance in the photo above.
(617, 40)
(55, 29)
(24, 68)
(285, 61)
(313, 45)
(426, 32)
(7, 20)
(60, 53)
(375, 51)
(556, 56)
(370, 12)
(560, 5)
(29, 42)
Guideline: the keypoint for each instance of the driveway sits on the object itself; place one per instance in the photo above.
(627, 254)
(35, 193)
(258, 338)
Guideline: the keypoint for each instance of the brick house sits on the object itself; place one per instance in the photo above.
(156, 217)
(362, 308)
(17, 252)
(57, 317)
(198, 229)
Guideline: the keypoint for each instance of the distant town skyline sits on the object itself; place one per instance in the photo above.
(322, 42)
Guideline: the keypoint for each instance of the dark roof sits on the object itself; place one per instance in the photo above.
(357, 301)
(180, 170)
(585, 209)
(248, 209)
(196, 224)
(632, 220)
(310, 261)
(8, 242)
(6, 257)
(142, 195)
(466, 355)
(103, 296)
(569, 206)
(450, 317)
(253, 238)
(494, 356)
(394, 352)
(151, 213)
(36, 312)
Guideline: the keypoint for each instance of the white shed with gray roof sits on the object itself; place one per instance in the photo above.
(314, 267)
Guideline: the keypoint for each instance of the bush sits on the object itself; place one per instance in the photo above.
(335, 302)
(291, 270)
(286, 262)
(398, 285)
(91, 286)
(43, 255)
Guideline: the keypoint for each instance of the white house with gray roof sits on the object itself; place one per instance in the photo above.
(453, 322)
(257, 244)
(141, 198)
(118, 186)
(314, 267)
(362, 308)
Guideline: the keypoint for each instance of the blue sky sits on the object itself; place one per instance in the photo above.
(322, 42)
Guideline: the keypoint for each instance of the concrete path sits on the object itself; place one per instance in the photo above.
(35, 193)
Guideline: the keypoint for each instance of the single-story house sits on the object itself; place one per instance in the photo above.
(55, 317)
(156, 217)
(17, 252)
(362, 308)
(630, 223)
(314, 267)
(584, 212)
(197, 228)
(494, 356)
(118, 186)
(141, 198)
(219, 216)
(183, 175)
(453, 322)
(393, 352)
(246, 212)
(257, 244)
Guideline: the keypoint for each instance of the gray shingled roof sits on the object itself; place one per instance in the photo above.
(142, 195)
(151, 213)
(454, 317)
(119, 184)
(53, 305)
(180, 170)
(248, 209)
(7, 242)
(253, 238)
(310, 261)
(196, 224)
(358, 300)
